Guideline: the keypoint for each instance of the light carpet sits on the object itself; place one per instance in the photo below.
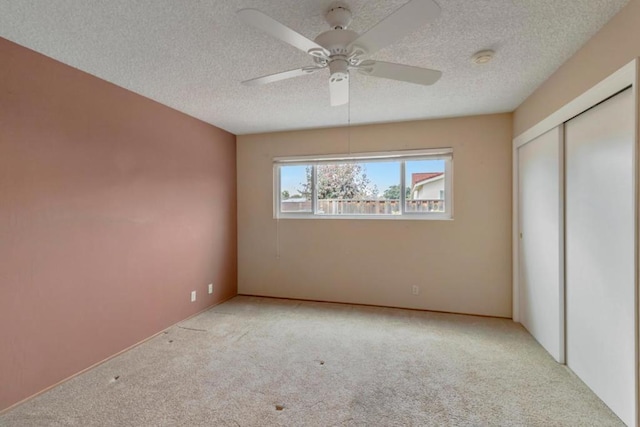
(268, 362)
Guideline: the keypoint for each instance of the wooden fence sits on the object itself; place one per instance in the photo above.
(363, 207)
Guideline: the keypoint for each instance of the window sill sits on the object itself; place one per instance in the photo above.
(409, 217)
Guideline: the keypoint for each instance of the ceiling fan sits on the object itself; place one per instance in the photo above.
(342, 50)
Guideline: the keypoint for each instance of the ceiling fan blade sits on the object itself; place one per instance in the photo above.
(409, 17)
(281, 76)
(339, 89)
(405, 73)
(280, 31)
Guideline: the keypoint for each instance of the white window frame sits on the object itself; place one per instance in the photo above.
(445, 154)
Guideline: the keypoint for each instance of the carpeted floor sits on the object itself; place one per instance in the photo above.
(268, 362)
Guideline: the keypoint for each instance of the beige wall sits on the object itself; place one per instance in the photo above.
(463, 265)
(616, 44)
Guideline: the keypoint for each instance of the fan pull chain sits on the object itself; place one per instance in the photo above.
(278, 237)
(349, 118)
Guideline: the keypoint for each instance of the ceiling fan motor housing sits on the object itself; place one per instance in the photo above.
(336, 41)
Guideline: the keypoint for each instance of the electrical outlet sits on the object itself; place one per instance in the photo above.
(193, 296)
(210, 288)
(415, 289)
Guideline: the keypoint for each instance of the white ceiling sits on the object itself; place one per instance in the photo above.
(191, 55)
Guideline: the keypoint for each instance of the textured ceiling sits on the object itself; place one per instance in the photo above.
(192, 55)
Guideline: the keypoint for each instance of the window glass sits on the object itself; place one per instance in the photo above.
(425, 186)
(295, 188)
(358, 188)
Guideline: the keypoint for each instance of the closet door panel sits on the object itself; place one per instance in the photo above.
(541, 287)
(600, 252)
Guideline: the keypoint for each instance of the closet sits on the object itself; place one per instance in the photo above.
(575, 239)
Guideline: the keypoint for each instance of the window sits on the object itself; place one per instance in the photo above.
(407, 184)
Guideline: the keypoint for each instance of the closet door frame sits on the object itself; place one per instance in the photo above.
(622, 79)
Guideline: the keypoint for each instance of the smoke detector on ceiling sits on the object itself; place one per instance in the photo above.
(483, 57)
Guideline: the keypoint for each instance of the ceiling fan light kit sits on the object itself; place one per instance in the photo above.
(342, 50)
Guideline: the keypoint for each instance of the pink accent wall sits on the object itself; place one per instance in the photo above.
(113, 208)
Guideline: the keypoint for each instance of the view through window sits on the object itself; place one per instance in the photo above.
(393, 186)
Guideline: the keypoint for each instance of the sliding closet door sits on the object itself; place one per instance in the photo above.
(541, 287)
(600, 251)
